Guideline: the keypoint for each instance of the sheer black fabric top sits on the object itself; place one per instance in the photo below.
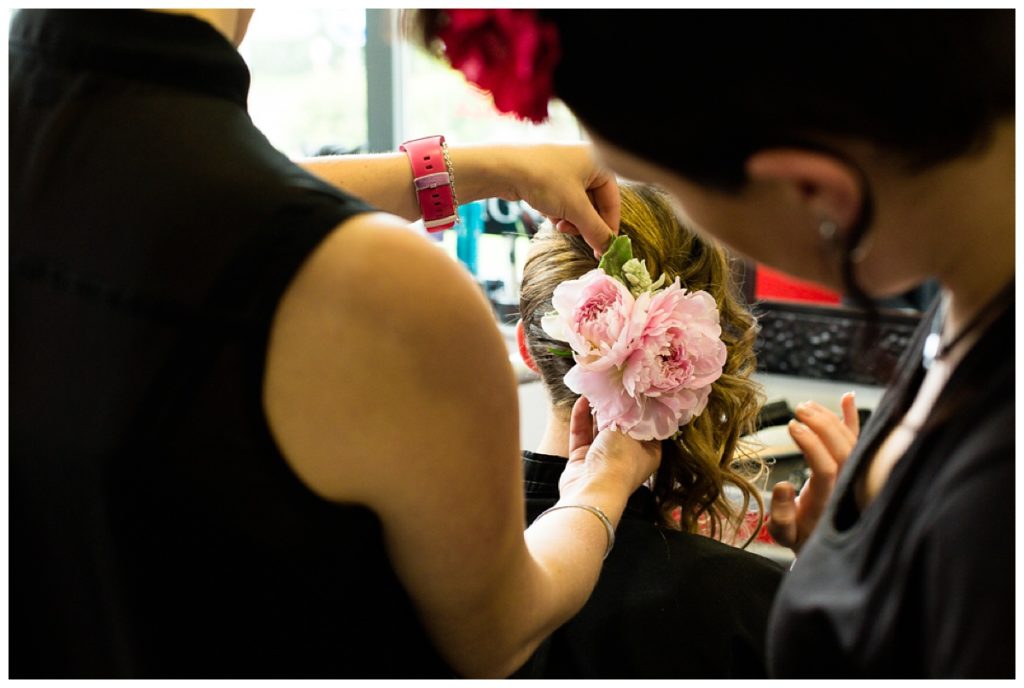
(155, 528)
(667, 604)
(921, 582)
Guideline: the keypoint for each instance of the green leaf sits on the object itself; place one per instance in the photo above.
(564, 353)
(615, 257)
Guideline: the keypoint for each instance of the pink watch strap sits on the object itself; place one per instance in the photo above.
(432, 181)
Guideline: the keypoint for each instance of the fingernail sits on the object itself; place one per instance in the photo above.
(796, 427)
(805, 409)
(783, 492)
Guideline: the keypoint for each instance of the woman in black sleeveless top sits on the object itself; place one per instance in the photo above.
(867, 151)
(248, 432)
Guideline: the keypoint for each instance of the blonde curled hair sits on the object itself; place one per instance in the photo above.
(707, 455)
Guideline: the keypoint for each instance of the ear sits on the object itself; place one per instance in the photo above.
(825, 186)
(524, 351)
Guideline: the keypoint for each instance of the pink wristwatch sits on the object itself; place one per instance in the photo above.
(432, 178)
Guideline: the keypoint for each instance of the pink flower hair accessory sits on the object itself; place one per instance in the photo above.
(510, 53)
(646, 354)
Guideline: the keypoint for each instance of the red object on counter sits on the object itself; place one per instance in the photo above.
(772, 284)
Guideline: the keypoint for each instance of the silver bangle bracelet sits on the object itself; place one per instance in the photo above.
(592, 509)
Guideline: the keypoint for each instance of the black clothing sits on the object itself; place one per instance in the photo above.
(155, 528)
(667, 604)
(921, 584)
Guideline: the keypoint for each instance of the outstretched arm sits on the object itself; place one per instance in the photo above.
(561, 181)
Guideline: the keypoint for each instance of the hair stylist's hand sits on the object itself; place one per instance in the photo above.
(608, 459)
(826, 441)
(565, 183)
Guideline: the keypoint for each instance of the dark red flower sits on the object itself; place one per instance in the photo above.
(511, 53)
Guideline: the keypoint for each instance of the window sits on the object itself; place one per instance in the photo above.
(309, 86)
(308, 77)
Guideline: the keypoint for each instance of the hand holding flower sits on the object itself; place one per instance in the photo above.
(605, 461)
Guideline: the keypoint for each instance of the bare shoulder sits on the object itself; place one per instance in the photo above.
(381, 352)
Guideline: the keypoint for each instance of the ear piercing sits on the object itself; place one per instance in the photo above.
(827, 230)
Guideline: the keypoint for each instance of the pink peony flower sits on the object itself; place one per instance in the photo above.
(614, 408)
(678, 356)
(665, 379)
(511, 53)
(597, 316)
(646, 357)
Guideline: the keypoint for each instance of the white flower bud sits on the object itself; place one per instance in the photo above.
(635, 272)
